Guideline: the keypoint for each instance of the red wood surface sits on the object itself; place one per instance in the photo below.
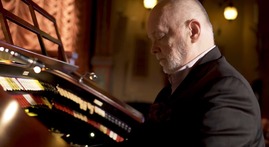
(22, 130)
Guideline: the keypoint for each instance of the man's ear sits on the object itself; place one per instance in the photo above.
(195, 30)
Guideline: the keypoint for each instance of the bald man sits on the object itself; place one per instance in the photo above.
(208, 103)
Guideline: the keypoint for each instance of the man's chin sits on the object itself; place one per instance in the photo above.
(166, 71)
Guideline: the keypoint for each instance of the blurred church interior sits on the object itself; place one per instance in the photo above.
(108, 37)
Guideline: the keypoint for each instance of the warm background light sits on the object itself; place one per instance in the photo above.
(230, 13)
(149, 4)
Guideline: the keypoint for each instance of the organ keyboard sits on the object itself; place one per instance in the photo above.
(50, 90)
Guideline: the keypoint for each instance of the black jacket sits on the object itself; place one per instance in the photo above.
(214, 106)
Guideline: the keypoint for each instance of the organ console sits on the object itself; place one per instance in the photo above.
(56, 98)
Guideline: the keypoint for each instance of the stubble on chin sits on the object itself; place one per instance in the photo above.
(165, 67)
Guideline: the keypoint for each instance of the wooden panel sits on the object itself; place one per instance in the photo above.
(20, 129)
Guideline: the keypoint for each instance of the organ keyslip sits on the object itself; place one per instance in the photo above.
(50, 90)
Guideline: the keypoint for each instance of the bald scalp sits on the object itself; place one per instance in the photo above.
(185, 10)
(186, 17)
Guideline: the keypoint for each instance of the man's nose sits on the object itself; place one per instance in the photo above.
(155, 49)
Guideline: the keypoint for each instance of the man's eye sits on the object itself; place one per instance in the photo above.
(160, 36)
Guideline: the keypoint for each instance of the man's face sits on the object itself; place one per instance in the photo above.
(168, 41)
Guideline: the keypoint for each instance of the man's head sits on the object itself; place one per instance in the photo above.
(180, 30)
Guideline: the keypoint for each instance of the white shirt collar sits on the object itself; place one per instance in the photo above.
(177, 78)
